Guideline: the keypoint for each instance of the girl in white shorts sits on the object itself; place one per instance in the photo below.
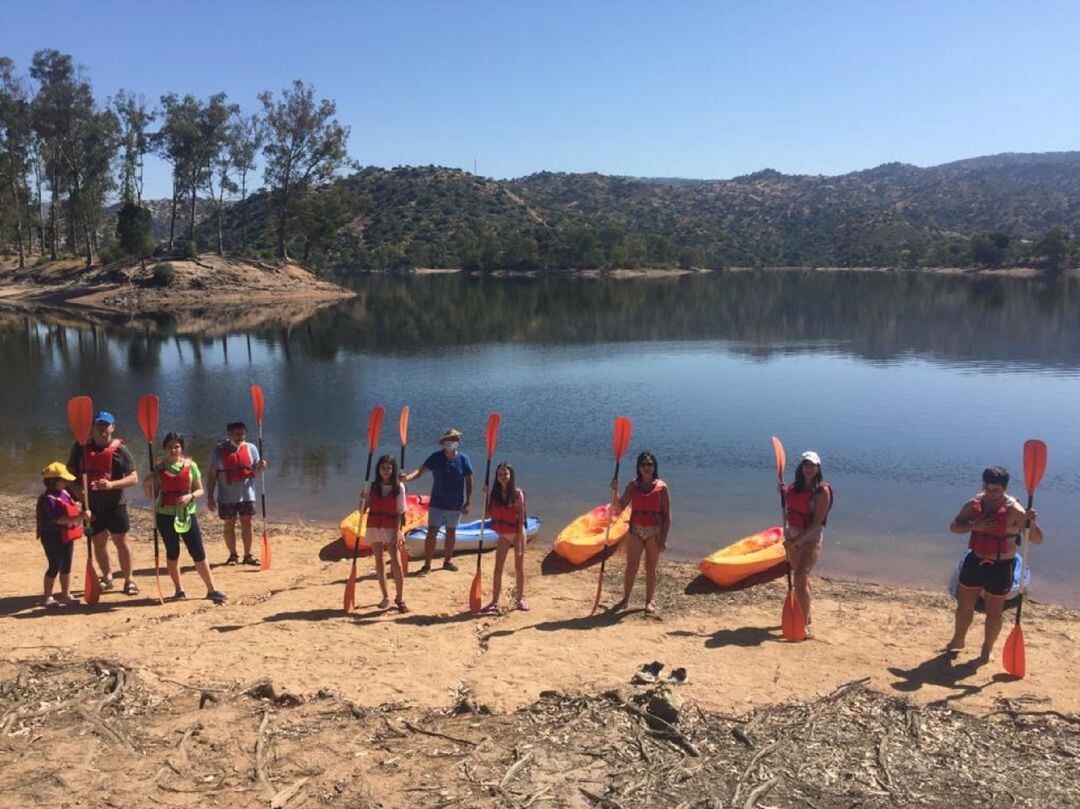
(385, 508)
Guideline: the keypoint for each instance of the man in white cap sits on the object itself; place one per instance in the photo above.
(451, 495)
(109, 470)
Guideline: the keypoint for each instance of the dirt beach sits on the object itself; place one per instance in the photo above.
(131, 701)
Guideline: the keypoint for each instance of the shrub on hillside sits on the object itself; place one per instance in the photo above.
(163, 274)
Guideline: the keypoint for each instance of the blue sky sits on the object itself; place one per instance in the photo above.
(689, 89)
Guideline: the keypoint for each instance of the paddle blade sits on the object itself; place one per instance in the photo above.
(350, 588)
(266, 558)
(80, 414)
(792, 621)
(623, 429)
(781, 458)
(1013, 658)
(1034, 463)
(474, 593)
(259, 402)
(91, 586)
(149, 407)
(403, 425)
(491, 433)
(374, 427)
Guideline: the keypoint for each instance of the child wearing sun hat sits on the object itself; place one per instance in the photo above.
(59, 524)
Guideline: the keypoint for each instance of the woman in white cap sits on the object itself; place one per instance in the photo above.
(807, 502)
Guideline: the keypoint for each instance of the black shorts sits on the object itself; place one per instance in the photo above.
(192, 538)
(59, 554)
(993, 577)
(228, 511)
(113, 519)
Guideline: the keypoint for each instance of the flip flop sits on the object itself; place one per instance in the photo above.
(384, 604)
(523, 605)
(491, 609)
(401, 606)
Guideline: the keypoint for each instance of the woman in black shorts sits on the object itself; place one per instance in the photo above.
(176, 483)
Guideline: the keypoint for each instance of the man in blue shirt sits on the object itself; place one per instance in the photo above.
(451, 495)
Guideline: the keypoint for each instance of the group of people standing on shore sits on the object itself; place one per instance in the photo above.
(995, 521)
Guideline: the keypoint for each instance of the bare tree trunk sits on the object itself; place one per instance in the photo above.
(243, 211)
(54, 248)
(220, 226)
(172, 219)
(41, 209)
(191, 222)
(283, 221)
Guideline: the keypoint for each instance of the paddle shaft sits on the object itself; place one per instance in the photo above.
(483, 513)
(611, 519)
(783, 523)
(363, 502)
(1025, 561)
(262, 479)
(157, 550)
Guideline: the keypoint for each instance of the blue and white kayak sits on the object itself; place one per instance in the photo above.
(468, 537)
(1014, 590)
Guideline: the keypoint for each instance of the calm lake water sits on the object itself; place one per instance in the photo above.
(907, 386)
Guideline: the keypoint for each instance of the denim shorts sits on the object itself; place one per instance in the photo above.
(438, 517)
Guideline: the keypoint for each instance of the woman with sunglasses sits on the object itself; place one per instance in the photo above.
(650, 520)
(807, 502)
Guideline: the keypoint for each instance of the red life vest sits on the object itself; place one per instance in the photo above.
(174, 485)
(97, 463)
(646, 509)
(800, 506)
(992, 542)
(382, 510)
(238, 464)
(506, 519)
(68, 533)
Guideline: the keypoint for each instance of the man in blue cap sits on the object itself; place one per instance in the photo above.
(109, 470)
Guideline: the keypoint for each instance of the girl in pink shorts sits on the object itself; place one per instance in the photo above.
(385, 506)
(507, 509)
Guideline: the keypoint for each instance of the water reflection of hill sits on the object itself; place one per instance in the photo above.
(878, 317)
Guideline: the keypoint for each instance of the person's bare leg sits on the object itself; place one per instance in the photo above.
(229, 530)
(519, 567)
(634, 547)
(380, 568)
(995, 607)
(123, 555)
(101, 555)
(396, 572)
(448, 547)
(806, 558)
(965, 614)
(429, 545)
(652, 562)
(245, 530)
(173, 566)
(500, 560)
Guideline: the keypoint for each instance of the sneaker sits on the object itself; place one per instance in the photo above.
(51, 602)
(107, 584)
(233, 559)
(179, 595)
(523, 605)
(448, 565)
(677, 677)
(131, 588)
(67, 598)
(384, 604)
(217, 596)
(647, 673)
(250, 560)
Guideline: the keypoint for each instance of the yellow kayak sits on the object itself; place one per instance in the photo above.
(584, 537)
(742, 559)
(416, 509)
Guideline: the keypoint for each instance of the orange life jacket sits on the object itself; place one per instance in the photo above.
(175, 485)
(646, 509)
(800, 508)
(97, 463)
(506, 519)
(986, 543)
(237, 461)
(68, 533)
(382, 510)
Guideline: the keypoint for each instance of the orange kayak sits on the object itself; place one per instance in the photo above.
(584, 537)
(416, 508)
(742, 559)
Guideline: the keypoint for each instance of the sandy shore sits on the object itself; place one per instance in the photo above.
(279, 698)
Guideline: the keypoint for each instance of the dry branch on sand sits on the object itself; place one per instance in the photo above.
(851, 747)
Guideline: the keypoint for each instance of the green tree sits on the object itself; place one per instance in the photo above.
(1055, 246)
(134, 118)
(134, 230)
(305, 147)
(15, 148)
(246, 138)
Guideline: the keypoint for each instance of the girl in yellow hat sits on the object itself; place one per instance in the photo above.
(59, 524)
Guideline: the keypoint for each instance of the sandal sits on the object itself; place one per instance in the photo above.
(401, 606)
(131, 588)
(107, 584)
(179, 595)
(250, 560)
(491, 609)
(233, 559)
(384, 604)
(649, 673)
(523, 605)
(51, 602)
(217, 596)
(677, 677)
(448, 565)
(424, 569)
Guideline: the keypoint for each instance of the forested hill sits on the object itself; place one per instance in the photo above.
(999, 210)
